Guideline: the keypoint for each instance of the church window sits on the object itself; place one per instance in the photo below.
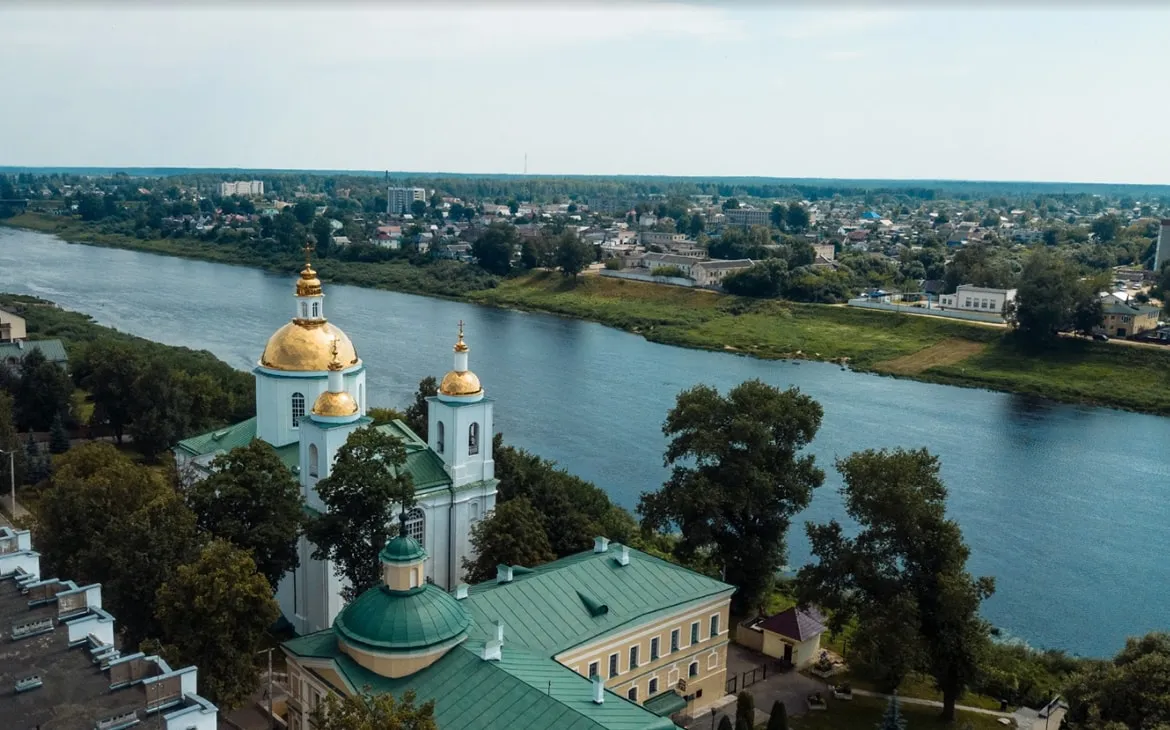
(414, 577)
(473, 509)
(473, 439)
(298, 409)
(312, 460)
(316, 309)
(416, 524)
(304, 309)
(440, 437)
(362, 396)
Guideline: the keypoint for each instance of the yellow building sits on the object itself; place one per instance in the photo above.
(793, 635)
(611, 638)
(1126, 320)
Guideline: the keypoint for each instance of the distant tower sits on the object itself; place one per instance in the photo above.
(1162, 252)
(525, 163)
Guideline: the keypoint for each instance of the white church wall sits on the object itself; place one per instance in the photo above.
(274, 395)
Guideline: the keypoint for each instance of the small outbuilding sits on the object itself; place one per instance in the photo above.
(793, 635)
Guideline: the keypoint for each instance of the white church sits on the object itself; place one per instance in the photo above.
(310, 395)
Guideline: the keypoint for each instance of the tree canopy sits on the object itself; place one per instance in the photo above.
(494, 249)
(366, 489)
(572, 254)
(417, 412)
(1129, 692)
(739, 475)
(512, 534)
(381, 711)
(1052, 298)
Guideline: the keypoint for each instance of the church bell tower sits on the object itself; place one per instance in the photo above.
(459, 423)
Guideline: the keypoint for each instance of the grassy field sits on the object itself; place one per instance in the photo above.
(864, 713)
(932, 349)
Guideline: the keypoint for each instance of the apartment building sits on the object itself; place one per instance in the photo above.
(244, 188)
(398, 200)
(748, 217)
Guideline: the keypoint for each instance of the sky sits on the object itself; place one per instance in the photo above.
(851, 91)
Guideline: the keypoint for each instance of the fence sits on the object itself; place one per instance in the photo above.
(633, 276)
(904, 309)
(743, 680)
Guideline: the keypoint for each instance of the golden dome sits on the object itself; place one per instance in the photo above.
(308, 285)
(307, 346)
(460, 383)
(335, 404)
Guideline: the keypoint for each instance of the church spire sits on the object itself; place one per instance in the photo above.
(310, 305)
(461, 382)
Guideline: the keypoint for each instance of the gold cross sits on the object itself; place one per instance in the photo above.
(308, 251)
(460, 329)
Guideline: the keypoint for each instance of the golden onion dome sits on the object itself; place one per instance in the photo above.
(307, 346)
(308, 285)
(335, 404)
(460, 382)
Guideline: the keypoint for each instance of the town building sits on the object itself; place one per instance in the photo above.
(659, 260)
(712, 272)
(399, 200)
(824, 252)
(609, 638)
(242, 188)
(1162, 252)
(12, 354)
(12, 327)
(660, 238)
(793, 635)
(748, 217)
(1124, 318)
(969, 298)
(310, 395)
(61, 666)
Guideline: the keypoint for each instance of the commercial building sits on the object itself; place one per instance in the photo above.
(609, 638)
(969, 298)
(748, 217)
(398, 200)
(242, 188)
(61, 667)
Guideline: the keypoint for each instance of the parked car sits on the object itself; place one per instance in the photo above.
(1101, 337)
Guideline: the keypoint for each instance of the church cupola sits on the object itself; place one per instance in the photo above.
(310, 304)
(460, 385)
(335, 405)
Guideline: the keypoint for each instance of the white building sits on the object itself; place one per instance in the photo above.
(398, 200)
(969, 298)
(241, 187)
(1162, 252)
(310, 396)
(711, 273)
(748, 217)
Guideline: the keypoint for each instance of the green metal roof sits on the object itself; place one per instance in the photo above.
(53, 350)
(402, 549)
(558, 605)
(388, 620)
(521, 691)
(665, 704)
(223, 439)
(425, 466)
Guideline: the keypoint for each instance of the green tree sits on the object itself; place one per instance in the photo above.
(745, 709)
(43, 393)
(369, 711)
(1051, 298)
(778, 720)
(416, 412)
(111, 370)
(892, 717)
(10, 441)
(725, 723)
(322, 233)
(573, 254)
(767, 279)
(493, 250)
(1106, 227)
(738, 478)
(215, 614)
(730, 204)
(58, 436)
(161, 414)
(304, 211)
(797, 218)
(905, 572)
(367, 488)
(513, 534)
(418, 209)
(778, 215)
(513, 206)
(1129, 692)
(36, 464)
(385, 415)
(252, 500)
(91, 208)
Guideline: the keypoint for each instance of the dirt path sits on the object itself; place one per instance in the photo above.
(947, 352)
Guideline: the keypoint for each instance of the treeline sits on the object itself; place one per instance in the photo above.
(155, 393)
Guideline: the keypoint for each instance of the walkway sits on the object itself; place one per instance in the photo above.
(934, 703)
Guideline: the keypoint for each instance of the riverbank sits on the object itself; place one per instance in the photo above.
(921, 348)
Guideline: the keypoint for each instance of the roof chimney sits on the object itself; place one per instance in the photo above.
(598, 690)
(623, 557)
(600, 544)
(461, 591)
(493, 648)
(503, 573)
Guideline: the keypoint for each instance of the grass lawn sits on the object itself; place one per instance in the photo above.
(864, 713)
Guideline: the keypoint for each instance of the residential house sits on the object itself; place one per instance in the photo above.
(1125, 319)
(12, 326)
(13, 353)
(61, 666)
(609, 638)
(712, 272)
(793, 635)
(981, 299)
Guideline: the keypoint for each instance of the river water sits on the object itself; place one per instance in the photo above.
(1064, 505)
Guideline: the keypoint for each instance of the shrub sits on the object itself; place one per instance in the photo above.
(745, 709)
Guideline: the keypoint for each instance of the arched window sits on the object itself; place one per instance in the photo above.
(316, 309)
(312, 460)
(298, 409)
(304, 309)
(473, 439)
(440, 438)
(362, 396)
(693, 670)
(416, 525)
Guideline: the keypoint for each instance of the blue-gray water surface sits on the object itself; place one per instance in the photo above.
(1064, 505)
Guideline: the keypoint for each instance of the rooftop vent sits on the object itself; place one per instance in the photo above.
(503, 573)
(596, 608)
(31, 628)
(623, 556)
(116, 722)
(461, 591)
(600, 544)
(493, 647)
(30, 682)
(598, 690)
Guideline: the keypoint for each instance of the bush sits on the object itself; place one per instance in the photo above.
(664, 271)
(745, 709)
(613, 264)
(779, 718)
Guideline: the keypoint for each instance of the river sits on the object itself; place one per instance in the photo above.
(1065, 506)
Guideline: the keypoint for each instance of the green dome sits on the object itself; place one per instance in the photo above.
(385, 620)
(402, 549)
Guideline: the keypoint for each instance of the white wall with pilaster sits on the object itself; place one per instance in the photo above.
(274, 392)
